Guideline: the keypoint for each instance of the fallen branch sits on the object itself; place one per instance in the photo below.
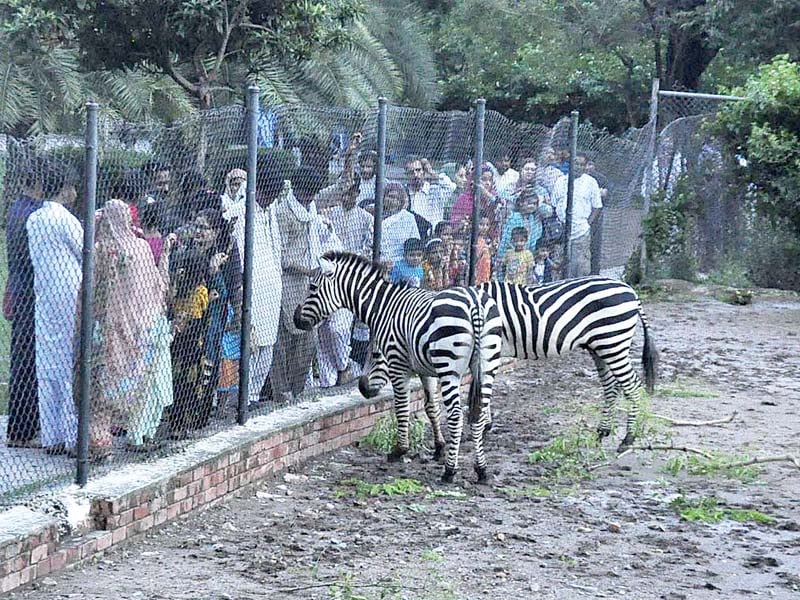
(670, 447)
(764, 459)
(678, 423)
(340, 582)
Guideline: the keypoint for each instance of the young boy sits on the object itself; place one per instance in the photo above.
(542, 268)
(409, 269)
(518, 262)
(435, 266)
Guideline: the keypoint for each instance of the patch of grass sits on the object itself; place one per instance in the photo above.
(684, 392)
(710, 510)
(568, 455)
(432, 556)
(452, 494)
(529, 491)
(717, 465)
(383, 437)
(345, 589)
(395, 487)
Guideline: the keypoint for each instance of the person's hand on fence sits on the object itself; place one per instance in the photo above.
(219, 259)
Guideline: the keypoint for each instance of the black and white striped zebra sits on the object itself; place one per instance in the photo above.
(440, 335)
(594, 313)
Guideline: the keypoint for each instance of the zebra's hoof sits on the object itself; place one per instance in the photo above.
(448, 476)
(438, 453)
(603, 432)
(626, 443)
(396, 455)
(483, 476)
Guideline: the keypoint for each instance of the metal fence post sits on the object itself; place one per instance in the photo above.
(87, 296)
(477, 162)
(573, 152)
(247, 275)
(380, 180)
(648, 170)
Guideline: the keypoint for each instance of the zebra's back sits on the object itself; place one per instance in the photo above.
(553, 319)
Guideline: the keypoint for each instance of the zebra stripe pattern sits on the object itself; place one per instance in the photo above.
(437, 335)
(594, 313)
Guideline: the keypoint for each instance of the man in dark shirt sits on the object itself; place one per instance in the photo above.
(18, 307)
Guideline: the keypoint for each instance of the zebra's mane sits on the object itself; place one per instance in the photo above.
(374, 267)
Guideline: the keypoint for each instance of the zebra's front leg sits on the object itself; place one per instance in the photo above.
(429, 384)
(481, 426)
(451, 394)
(402, 412)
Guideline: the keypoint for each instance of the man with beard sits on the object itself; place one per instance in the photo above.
(428, 192)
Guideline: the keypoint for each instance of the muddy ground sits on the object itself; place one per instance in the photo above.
(540, 530)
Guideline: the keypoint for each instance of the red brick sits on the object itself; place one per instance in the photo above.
(160, 517)
(88, 548)
(173, 510)
(145, 524)
(39, 553)
(43, 568)
(217, 478)
(58, 561)
(28, 574)
(125, 518)
(12, 550)
(186, 505)
(197, 473)
(9, 582)
(140, 512)
(177, 494)
(119, 535)
(245, 478)
(104, 541)
(72, 553)
(156, 504)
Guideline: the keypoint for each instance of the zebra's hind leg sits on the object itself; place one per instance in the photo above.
(626, 380)
(611, 394)
(433, 411)
(481, 426)
(451, 394)
(402, 411)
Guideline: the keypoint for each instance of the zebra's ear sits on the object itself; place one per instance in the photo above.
(326, 266)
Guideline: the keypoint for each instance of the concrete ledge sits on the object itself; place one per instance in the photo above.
(140, 497)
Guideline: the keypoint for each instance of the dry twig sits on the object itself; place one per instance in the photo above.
(670, 447)
(763, 459)
(678, 423)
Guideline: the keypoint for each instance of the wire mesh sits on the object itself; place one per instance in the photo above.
(168, 297)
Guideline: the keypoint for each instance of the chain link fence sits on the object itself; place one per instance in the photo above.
(170, 302)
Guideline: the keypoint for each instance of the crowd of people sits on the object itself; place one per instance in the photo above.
(168, 286)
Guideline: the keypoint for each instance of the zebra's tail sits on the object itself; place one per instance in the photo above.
(475, 367)
(649, 355)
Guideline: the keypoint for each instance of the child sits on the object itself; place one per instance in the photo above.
(483, 266)
(150, 219)
(519, 261)
(228, 386)
(409, 269)
(542, 267)
(437, 270)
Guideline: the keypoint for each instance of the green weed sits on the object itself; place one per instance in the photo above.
(716, 465)
(395, 487)
(432, 556)
(684, 392)
(568, 455)
(383, 437)
(529, 491)
(452, 494)
(709, 510)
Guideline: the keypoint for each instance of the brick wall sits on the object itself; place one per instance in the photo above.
(27, 553)
(30, 543)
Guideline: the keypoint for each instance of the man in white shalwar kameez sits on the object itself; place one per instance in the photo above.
(55, 239)
(267, 283)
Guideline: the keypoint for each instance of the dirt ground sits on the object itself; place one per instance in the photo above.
(540, 530)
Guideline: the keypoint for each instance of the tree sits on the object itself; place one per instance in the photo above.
(195, 41)
(765, 130)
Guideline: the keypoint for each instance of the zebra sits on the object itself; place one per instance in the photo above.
(433, 334)
(594, 313)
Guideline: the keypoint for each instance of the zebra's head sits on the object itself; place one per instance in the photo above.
(341, 281)
(323, 298)
(376, 373)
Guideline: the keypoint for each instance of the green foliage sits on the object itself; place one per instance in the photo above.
(710, 510)
(527, 492)
(383, 437)
(668, 229)
(718, 464)
(684, 392)
(765, 130)
(395, 487)
(567, 456)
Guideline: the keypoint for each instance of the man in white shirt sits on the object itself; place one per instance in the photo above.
(586, 206)
(267, 281)
(398, 224)
(428, 191)
(506, 183)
